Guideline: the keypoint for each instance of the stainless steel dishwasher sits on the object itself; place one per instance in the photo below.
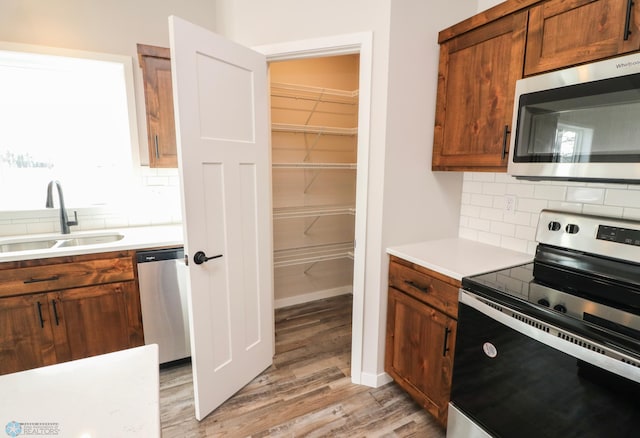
(163, 296)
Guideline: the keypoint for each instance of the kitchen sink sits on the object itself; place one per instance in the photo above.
(58, 241)
(89, 240)
(27, 245)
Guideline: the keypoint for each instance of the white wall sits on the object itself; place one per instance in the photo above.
(113, 26)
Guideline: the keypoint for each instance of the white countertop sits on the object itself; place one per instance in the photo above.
(111, 395)
(134, 238)
(457, 258)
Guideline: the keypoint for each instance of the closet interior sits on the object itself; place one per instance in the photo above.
(314, 115)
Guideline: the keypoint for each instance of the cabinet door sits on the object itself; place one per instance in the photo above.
(26, 338)
(158, 95)
(96, 320)
(562, 33)
(476, 83)
(419, 351)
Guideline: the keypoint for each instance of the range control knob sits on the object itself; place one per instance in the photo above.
(543, 302)
(560, 308)
(554, 226)
(572, 229)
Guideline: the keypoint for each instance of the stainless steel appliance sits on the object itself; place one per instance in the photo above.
(163, 297)
(580, 123)
(552, 348)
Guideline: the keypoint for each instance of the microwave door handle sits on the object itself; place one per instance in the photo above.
(505, 133)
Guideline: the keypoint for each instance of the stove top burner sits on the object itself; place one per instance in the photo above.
(593, 316)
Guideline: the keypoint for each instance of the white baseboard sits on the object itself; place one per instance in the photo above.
(312, 296)
(374, 380)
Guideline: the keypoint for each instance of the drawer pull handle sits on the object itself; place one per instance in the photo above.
(446, 339)
(55, 311)
(415, 285)
(38, 280)
(40, 315)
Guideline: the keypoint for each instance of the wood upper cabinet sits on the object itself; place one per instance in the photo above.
(562, 33)
(158, 96)
(421, 334)
(60, 309)
(477, 74)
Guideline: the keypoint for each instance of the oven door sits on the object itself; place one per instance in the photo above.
(513, 376)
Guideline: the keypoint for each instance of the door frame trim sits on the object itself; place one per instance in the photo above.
(356, 43)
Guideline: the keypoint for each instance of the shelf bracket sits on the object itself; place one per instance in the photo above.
(306, 231)
(313, 179)
(309, 268)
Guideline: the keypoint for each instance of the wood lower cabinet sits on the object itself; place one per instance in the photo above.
(158, 96)
(562, 33)
(61, 309)
(421, 334)
(477, 76)
(26, 334)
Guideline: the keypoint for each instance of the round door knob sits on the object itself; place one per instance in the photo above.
(200, 257)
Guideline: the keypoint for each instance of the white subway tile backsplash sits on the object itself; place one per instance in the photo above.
(486, 216)
(514, 244)
(469, 210)
(551, 192)
(631, 213)
(565, 206)
(483, 176)
(587, 195)
(503, 229)
(623, 198)
(481, 200)
(602, 210)
(488, 238)
(492, 214)
(518, 218)
(522, 190)
(479, 224)
(526, 233)
(494, 189)
(468, 233)
(154, 200)
(469, 186)
(532, 205)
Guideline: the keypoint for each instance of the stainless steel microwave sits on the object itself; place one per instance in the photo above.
(581, 123)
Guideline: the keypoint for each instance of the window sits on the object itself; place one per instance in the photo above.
(69, 118)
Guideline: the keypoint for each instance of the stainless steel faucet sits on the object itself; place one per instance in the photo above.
(64, 220)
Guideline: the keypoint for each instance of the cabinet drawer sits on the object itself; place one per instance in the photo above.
(57, 276)
(425, 288)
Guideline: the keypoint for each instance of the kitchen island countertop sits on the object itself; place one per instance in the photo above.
(457, 257)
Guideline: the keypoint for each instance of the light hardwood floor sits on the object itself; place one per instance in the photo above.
(307, 392)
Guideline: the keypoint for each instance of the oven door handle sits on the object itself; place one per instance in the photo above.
(598, 359)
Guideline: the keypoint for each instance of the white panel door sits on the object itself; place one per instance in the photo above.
(222, 121)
